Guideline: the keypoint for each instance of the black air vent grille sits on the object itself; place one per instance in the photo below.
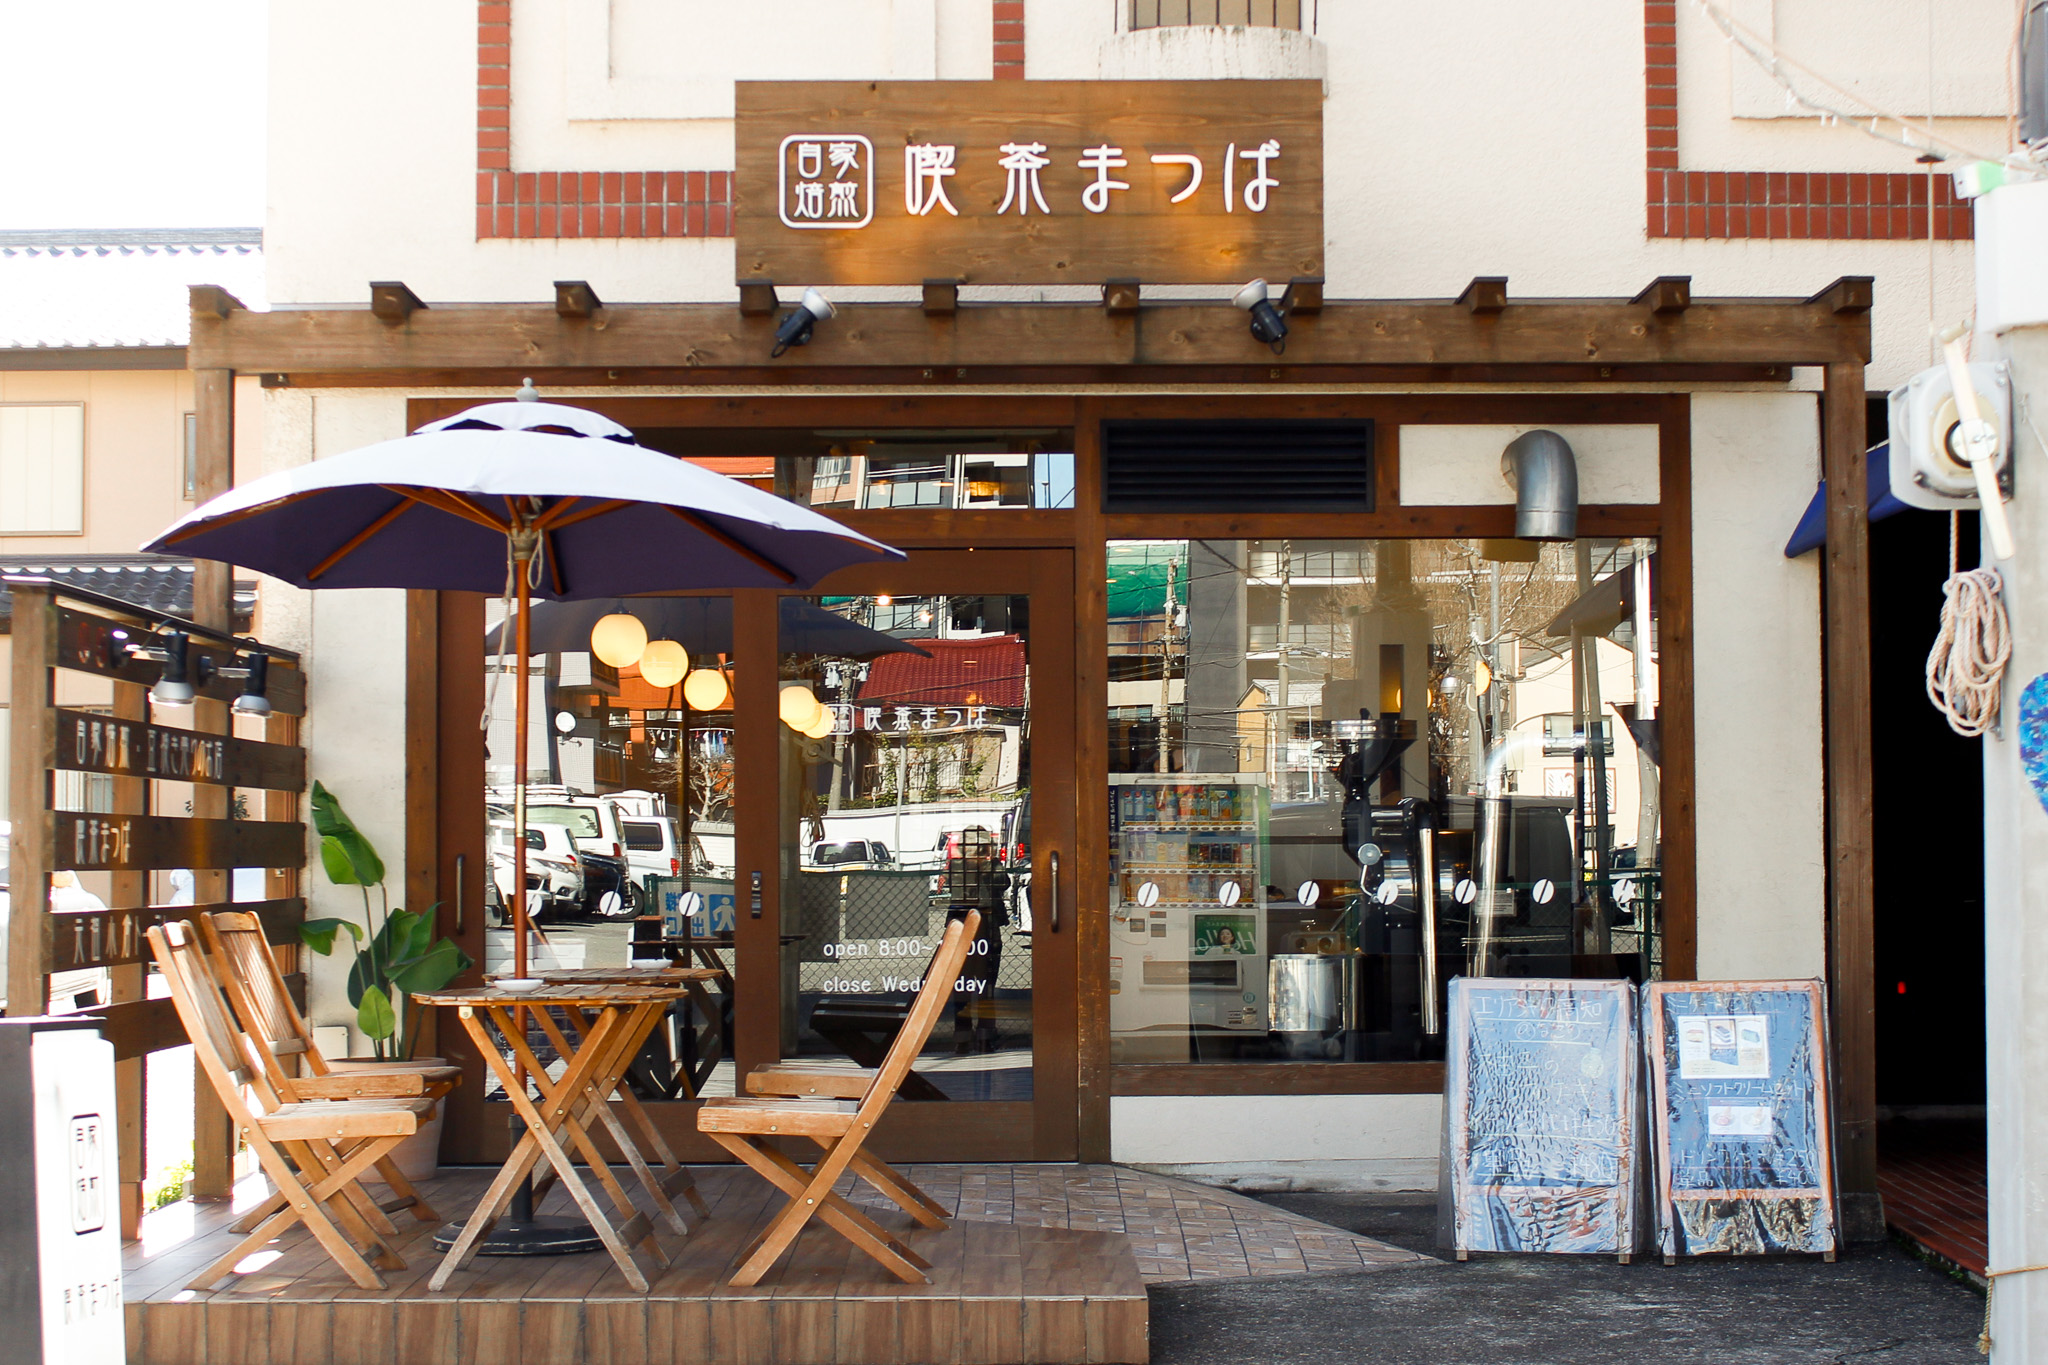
(1249, 466)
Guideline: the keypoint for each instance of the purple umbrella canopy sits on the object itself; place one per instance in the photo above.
(607, 516)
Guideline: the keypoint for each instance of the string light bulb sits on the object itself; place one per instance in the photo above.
(798, 706)
(824, 725)
(618, 639)
(664, 663)
(705, 690)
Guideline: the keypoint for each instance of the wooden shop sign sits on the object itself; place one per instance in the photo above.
(1029, 182)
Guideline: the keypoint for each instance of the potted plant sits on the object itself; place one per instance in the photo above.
(396, 954)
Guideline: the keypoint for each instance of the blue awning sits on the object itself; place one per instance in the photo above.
(1812, 531)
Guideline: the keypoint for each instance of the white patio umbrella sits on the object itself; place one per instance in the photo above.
(533, 499)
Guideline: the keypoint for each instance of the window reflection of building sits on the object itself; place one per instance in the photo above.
(1456, 741)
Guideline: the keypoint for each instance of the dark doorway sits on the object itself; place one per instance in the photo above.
(1929, 868)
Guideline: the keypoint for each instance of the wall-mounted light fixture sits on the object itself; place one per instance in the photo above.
(174, 686)
(795, 329)
(253, 667)
(1267, 324)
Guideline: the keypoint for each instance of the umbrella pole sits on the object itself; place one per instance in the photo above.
(520, 1232)
(522, 640)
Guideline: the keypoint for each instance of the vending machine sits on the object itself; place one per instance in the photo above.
(1188, 926)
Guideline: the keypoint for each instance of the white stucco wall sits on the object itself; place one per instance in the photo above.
(1540, 178)
(1757, 688)
(353, 644)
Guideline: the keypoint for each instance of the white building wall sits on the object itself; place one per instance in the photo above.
(1757, 693)
(1279, 1142)
(1539, 175)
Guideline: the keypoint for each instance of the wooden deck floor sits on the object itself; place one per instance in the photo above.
(1001, 1293)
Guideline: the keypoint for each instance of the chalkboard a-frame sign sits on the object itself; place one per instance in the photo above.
(1029, 182)
(1540, 1116)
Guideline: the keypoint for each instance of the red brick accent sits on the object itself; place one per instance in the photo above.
(1863, 206)
(1009, 51)
(576, 203)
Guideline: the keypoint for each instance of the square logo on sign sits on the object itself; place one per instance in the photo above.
(827, 181)
(87, 1174)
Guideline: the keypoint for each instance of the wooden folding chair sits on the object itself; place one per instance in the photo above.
(840, 1126)
(315, 1152)
(255, 988)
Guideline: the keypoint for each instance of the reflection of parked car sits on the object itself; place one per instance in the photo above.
(608, 890)
(852, 855)
(592, 821)
(554, 868)
(652, 850)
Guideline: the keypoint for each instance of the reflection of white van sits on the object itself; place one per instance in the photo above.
(68, 990)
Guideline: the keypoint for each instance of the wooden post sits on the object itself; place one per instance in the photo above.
(757, 758)
(1851, 899)
(131, 890)
(213, 1140)
(31, 748)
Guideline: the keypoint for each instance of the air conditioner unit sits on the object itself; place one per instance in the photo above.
(1928, 467)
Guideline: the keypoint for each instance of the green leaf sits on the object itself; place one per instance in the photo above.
(361, 979)
(375, 1016)
(319, 934)
(431, 970)
(334, 858)
(331, 822)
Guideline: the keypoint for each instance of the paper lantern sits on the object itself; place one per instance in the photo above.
(618, 639)
(824, 725)
(798, 707)
(663, 663)
(705, 690)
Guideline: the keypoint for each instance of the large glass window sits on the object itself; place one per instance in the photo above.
(908, 799)
(1343, 772)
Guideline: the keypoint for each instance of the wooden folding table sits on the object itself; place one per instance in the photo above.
(611, 1020)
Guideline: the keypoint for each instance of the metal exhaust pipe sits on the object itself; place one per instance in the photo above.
(1540, 467)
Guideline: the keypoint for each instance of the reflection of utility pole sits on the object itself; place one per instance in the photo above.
(1282, 721)
(1166, 674)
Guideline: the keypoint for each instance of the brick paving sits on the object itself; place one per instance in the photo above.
(1180, 1232)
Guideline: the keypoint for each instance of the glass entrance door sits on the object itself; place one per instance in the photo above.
(924, 726)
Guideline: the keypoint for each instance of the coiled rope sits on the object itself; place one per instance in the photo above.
(1967, 664)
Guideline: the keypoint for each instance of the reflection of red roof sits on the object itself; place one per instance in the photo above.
(758, 470)
(984, 672)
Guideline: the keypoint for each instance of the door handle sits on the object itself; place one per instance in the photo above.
(460, 860)
(1053, 891)
(754, 906)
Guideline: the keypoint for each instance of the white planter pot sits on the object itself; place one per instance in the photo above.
(419, 1156)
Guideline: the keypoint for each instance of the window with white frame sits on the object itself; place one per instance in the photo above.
(42, 468)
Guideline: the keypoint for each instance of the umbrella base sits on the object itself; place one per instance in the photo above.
(539, 1236)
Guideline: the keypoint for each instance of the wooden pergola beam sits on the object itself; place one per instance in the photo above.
(1608, 334)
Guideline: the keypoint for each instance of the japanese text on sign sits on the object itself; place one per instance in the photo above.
(1036, 182)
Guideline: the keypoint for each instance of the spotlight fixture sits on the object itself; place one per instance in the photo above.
(1267, 324)
(253, 667)
(174, 686)
(795, 328)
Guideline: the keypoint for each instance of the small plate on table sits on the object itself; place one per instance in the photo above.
(519, 985)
